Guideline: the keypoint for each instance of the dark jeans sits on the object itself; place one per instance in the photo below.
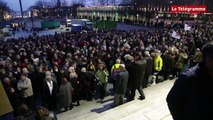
(103, 90)
(131, 93)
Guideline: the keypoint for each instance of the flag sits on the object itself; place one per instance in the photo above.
(187, 27)
(175, 35)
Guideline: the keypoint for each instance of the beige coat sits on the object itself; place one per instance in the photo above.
(26, 87)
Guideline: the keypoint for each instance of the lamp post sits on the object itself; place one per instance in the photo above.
(21, 9)
(170, 3)
(32, 21)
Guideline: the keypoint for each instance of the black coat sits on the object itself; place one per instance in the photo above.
(168, 64)
(149, 66)
(191, 96)
(46, 91)
(136, 73)
(130, 68)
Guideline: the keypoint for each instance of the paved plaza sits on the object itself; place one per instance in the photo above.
(154, 107)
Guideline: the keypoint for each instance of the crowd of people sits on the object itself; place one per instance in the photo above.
(58, 71)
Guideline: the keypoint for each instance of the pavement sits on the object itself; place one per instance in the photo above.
(126, 27)
(154, 107)
(24, 34)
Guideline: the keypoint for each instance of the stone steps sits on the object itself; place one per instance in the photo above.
(154, 107)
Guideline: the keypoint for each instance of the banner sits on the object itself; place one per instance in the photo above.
(5, 106)
(187, 27)
(188, 9)
(175, 35)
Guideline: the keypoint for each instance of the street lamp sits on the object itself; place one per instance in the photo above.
(21, 9)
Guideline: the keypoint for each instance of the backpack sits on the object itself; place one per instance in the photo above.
(114, 73)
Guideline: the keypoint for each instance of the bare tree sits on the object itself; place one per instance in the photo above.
(3, 6)
(39, 3)
(3, 9)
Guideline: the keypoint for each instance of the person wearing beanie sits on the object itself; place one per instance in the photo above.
(191, 96)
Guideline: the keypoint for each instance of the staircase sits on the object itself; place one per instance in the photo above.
(154, 107)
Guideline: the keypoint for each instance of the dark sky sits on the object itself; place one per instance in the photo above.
(14, 4)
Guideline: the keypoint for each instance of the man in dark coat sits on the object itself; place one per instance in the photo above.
(168, 65)
(191, 96)
(149, 69)
(137, 76)
(49, 93)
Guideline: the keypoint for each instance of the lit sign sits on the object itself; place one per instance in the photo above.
(188, 9)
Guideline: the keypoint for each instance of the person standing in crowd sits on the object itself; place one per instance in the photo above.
(158, 65)
(120, 85)
(37, 78)
(25, 86)
(149, 69)
(169, 64)
(49, 93)
(114, 71)
(197, 57)
(129, 62)
(86, 84)
(12, 93)
(73, 78)
(102, 78)
(191, 96)
(65, 94)
(181, 61)
(137, 73)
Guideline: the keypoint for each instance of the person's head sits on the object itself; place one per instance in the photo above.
(23, 76)
(48, 73)
(25, 71)
(64, 80)
(23, 110)
(118, 61)
(48, 78)
(101, 66)
(71, 69)
(7, 80)
(197, 50)
(147, 54)
(122, 67)
(139, 56)
(207, 52)
(42, 113)
(83, 69)
(128, 57)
